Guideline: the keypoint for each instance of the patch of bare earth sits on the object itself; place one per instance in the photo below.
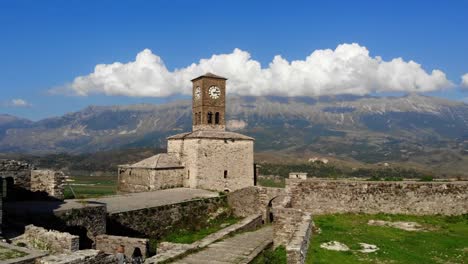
(408, 226)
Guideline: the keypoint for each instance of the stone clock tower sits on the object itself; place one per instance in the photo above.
(209, 102)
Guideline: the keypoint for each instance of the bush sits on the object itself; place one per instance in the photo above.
(426, 178)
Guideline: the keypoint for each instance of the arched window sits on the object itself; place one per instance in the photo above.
(217, 118)
(210, 118)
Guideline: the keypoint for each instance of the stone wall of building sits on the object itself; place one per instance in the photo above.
(144, 179)
(88, 256)
(158, 221)
(51, 240)
(19, 171)
(48, 181)
(210, 162)
(109, 244)
(418, 198)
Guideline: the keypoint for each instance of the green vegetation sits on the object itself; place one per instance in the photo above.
(267, 182)
(276, 256)
(319, 169)
(6, 253)
(90, 186)
(445, 239)
(187, 236)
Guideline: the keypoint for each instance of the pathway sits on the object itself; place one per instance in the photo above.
(239, 249)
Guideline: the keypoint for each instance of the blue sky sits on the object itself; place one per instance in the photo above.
(47, 44)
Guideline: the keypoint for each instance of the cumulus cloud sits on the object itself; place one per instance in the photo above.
(349, 69)
(18, 103)
(464, 82)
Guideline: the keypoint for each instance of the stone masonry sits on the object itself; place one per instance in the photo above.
(109, 244)
(418, 198)
(19, 171)
(48, 181)
(51, 240)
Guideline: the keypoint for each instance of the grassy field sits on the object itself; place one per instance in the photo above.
(444, 241)
(90, 186)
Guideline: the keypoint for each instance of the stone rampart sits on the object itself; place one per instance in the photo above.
(48, 181)
(51, 240)
(253, 200)
(160, 220)
(298, 246)
(109, 244)
(19, 171)
(342, 196)
(88, 256)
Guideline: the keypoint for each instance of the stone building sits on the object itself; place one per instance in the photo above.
(208, 157)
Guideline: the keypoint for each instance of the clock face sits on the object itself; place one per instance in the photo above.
(214, 92)
(197, 93)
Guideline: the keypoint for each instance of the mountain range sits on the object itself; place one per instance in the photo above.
(422, 131)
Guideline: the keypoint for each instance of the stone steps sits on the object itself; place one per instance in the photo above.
(241, 248)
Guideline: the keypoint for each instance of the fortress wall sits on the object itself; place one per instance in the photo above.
(161, 220)
(109, 244)
(19, 171)
(143, 179)
(48, 181)
(253, 200)
(418, 198)
(51, 240)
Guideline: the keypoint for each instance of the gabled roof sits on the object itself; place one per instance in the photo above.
(211, 134)
(209, 75)
(159, 161)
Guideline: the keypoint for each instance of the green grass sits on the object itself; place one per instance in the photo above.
(276, 256)
(91, 186)
(186, 236)
(6, 253)
(445, 241)
(271, 183)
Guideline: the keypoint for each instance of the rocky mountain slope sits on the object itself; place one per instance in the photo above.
(416, 129)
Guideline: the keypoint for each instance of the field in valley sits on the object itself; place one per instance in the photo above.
(89, 186)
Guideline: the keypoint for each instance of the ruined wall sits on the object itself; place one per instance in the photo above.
(206, 161)
(158, 221)
(19, 171)
(144, 179)
(109, 244)
(51, 240)
(296, 249)
(88, 256)
(48, 181)
(253, 200)
(418, 198)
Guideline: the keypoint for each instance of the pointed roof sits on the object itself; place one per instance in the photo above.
(209, 75)
(159, 161)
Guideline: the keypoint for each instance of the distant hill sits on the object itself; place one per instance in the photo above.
(421, 131)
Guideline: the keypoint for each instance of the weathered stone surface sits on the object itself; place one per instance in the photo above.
(253, 200)
(160, 220)
(241, 248)
(51, 240)
(109, 244)
(168, 251)
(298, 246)
(19, 171)
(30, 257)
(88, 256)
(417, 198)
(48, 181)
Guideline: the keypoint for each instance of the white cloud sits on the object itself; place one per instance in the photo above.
(464, 82)
(18, 103)
(346, 70)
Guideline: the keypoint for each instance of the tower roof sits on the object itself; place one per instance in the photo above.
(209, 75)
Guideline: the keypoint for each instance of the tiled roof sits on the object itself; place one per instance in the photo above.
(159, 161)
(213, 134)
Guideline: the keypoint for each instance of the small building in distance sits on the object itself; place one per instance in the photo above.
(208, 157)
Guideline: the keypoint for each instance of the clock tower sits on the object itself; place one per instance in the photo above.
(209, 102)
